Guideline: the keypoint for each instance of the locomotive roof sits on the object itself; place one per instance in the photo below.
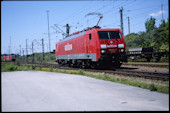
(78, 33)
(72, 36)
(89, 28)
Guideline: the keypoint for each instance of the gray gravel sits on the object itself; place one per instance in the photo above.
(49, 91)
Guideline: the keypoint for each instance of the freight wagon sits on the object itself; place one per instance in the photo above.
(148, 53)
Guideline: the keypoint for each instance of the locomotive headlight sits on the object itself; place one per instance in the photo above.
(120, 45)
(103, 51)
(103, 46)
(121, 50)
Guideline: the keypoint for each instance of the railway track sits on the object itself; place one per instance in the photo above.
(117, 71)
(130, 73)
(148, 65)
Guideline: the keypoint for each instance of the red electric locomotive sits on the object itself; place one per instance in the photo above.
(8, 58)
(3, 58)
(94, 47)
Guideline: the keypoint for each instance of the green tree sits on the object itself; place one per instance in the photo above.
(156, 35)
(129, 40)
(150, 24)
(165, 35)
(162, 25)
(160, 36)
(166, 31)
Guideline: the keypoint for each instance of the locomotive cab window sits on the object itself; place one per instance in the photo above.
(109, 34)
(89, 36)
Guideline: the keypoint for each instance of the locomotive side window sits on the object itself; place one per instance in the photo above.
(109, 34)
(89, 36)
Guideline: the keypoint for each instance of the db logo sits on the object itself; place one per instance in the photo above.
(68, 47)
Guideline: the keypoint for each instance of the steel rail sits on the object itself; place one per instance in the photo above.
(123, 72)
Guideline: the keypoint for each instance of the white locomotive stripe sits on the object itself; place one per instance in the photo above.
(77, 56)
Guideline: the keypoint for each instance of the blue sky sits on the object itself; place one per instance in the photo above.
(23, 20)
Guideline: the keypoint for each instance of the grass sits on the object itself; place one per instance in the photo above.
(161, 87)
(138, 82)
(11, 66)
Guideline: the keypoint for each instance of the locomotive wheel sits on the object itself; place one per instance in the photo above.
(83, 65)
(69, 63)
(59, 63)
(75, 66)
(98, 66)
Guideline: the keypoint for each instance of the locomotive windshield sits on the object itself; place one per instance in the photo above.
(109, 34)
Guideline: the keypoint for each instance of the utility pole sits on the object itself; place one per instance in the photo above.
(32, 52)
(128, 25)
(20, 49)
(121, 19)
(10, 47)
(49, 35)
(42, 49)
(162, 11)
(67, 29)
(23, 52)
(26, 51)
(9, 50)
(47, 47)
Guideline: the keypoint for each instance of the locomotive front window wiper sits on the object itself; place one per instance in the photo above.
(108, 33)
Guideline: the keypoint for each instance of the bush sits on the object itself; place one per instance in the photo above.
(56, 70)
(81, 72)
(33, 67)
(164, 89)
(40, 68)
(164, 59)
(17, 63)
(44, 69)
(51, 68)
(72, 72)
(8, 66)
(152, 87)
(12, 68)
(24, 68)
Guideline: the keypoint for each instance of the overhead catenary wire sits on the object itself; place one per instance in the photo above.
(107, 9)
